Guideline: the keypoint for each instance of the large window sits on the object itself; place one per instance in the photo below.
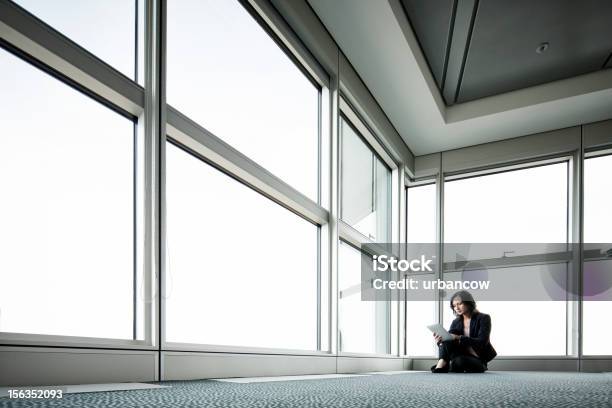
(106, 28)
(366, 187)
(597, 306)
(520, 206)
(421, 228)
(242, 270)
(363, 326)
(67, 210)
(226, 73)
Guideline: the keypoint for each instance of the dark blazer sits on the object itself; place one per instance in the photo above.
(480, 331)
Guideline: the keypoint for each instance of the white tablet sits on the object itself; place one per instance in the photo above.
(440, 331)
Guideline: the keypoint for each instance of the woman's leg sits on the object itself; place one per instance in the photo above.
(446, 351)
(450, 352)
(467, 364)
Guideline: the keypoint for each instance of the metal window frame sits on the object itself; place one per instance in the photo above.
(396, 232)
(572, 206)
(593, 153)
(347, 116)
(425, 181)
(353, 242)
(79, 68)
(39, 44)
(205, 145)
(575, 161)
(507, 167)
(314, 220)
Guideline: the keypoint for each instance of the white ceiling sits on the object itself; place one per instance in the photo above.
(377, 39)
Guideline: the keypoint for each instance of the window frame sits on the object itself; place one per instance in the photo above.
(47, 48)
(185, 346)
(15, 338)
(367, 138)
(354, 238)
(570, 160)
(286, 40)
(389, 318)
(191, 136)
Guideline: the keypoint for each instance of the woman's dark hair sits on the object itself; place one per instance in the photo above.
(466, 298)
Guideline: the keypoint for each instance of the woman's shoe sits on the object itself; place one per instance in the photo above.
(439, 370)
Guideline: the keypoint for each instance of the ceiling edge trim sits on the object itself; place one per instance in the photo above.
(417, 54)
(535, 95)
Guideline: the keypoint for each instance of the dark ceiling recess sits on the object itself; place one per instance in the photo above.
(479, 48)
(431, 20)
(608, 63)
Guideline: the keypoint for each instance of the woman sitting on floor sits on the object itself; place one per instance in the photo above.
(470, 349)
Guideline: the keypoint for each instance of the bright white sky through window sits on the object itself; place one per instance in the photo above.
(522, 206)
(226, 73)
(105, 28)
(241, 269)
(597, 229)
(66, 213)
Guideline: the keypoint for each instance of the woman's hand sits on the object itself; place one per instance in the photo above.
(438, 339)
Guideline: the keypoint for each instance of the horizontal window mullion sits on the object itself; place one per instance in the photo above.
(231, 161)
(43, 340)
(51, 48)
(351, 235)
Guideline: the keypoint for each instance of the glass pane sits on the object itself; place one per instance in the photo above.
(597, 229)
(227, 74)
(366, 187)
(597, 199)
(363, 326)
(507, 336)
(66, 214)
(421, 218)
(242, 270)
(421, 228)
(105, 28)
(528, 205)
(419, 340)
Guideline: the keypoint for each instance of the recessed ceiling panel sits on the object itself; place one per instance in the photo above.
(520, 43)
(431, 21)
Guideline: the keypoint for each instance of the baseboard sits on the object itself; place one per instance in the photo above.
(596, 365)
(366, 364)
(422, 364)
(190, 365)
(547, 364)
(55, 366)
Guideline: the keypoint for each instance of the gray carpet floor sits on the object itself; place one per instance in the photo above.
(492, 389)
